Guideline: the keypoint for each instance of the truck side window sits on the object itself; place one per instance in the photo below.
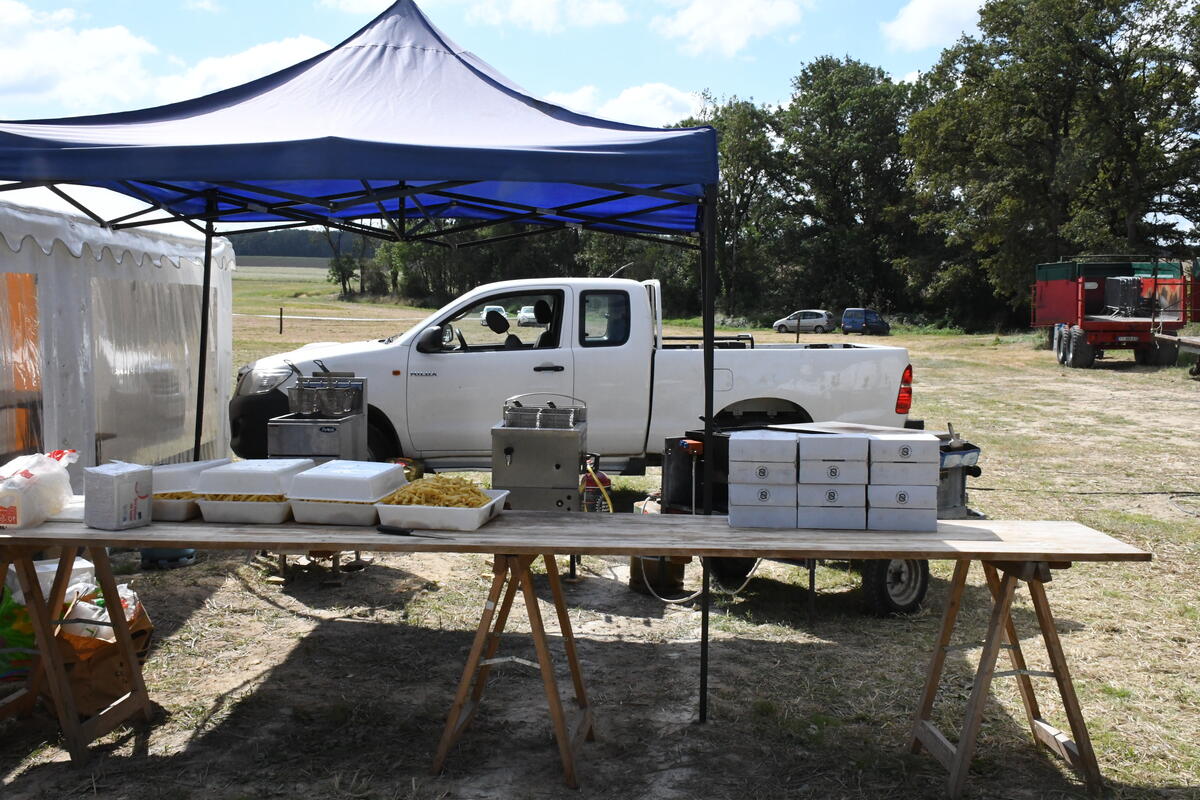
(603, 319)
(515, 321)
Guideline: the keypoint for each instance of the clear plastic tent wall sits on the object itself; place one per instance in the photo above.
(98, 340)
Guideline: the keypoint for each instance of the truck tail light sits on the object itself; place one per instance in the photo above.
(904, 396)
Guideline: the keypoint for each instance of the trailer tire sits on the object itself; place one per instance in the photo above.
(894, 586)
(1080, 354)
(1060, 344)
(1056, 342)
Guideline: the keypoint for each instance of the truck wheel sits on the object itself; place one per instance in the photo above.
(730, 572)
(895, 586)
(1080, 354)
(379, 445)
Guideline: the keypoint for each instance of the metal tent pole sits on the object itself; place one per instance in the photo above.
(210, 212)
(708, 280)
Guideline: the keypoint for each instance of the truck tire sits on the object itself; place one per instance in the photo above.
(895, 586)
(1080, 354)
(1060, 344)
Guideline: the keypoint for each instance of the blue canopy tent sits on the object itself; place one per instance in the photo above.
(393, 129)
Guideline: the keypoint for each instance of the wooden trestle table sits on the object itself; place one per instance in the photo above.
(1011, 552)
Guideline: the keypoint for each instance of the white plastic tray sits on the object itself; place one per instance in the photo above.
(255, 476)
(244, 511)
(173, 510)
(440, 518)
(317, 513)
(183, 477)
(361, 481)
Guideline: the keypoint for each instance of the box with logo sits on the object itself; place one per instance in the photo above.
(882, 496)
(117, 496)
(756, 446)
(762, 494)
(844, 472)
(755, 472)
(908, 448)
(831, 495)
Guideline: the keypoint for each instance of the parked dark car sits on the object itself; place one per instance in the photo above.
(864, 321)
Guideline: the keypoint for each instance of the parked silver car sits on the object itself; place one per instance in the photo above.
(805, 320)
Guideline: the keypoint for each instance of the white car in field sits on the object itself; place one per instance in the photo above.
(483, 315)
(526, 317)
(809, 319)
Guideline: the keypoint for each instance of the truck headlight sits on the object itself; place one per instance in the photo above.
(261, 381)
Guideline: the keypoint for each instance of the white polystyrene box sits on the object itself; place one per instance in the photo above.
(832, 446)
(352, 481)
(831, 494)
(842, 519)
(902, 519)
(442, 518)
(777, 446)
(762, 516)
(762, 494)
(884, 496)
(271, 476)
(117, 496)
(773, 472)
(911, 448)
(182, 477)
(832, 472)
(899, 474)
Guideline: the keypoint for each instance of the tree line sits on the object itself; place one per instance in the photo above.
(1062, 127)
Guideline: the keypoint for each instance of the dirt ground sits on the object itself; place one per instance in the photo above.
(313, 690)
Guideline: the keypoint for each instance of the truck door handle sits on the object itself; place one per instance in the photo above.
(549, 368)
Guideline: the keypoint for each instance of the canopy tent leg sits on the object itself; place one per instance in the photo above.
(708, 280)
(210, 214)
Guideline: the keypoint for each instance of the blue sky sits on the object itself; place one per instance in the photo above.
(640, 61)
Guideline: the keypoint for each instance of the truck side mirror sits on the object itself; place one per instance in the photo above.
(432, 339)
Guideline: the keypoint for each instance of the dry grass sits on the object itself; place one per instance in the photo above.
(304, 689)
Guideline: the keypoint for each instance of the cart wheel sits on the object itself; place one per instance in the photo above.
(730, 572)
(1079, 353)
(897, 586)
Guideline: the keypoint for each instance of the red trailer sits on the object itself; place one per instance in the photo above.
(1096, 304)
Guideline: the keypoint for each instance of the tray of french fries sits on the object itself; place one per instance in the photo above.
(175, 489)
(252, 491)
(441, 502)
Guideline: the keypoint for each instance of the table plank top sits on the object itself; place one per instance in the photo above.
(532, 532)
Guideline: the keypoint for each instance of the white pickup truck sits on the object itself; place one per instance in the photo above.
(435, 391)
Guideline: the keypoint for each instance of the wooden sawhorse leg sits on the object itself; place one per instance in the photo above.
(1002, 578)
(510, 575)
(43, 617)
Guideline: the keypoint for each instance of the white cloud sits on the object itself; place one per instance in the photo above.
(202, 5)
(584, 99)
(725, 26)
(48, 60)
(652, 104)
(930, 23)
(55, 68)
(214, 74)
(548, 16)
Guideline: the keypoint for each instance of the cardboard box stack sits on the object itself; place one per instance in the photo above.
(831, 481)
(905, 469)
(762, 479)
